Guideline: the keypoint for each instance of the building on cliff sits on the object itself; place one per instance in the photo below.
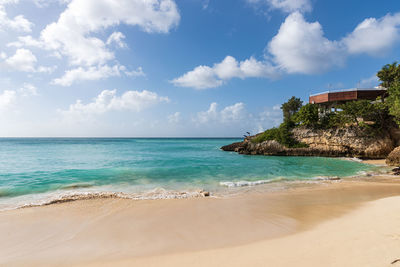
(328, 101)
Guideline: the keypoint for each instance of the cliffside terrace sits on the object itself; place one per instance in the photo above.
(331, 99)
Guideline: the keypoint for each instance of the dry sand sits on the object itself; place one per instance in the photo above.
(378, 162)
(343, 223)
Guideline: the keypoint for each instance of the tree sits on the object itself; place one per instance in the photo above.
(290, 108)
(393, 100)
(389, 74)
(363, 110)
(307, 116)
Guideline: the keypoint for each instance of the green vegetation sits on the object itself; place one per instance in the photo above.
(389, 74)
(290, 108)
(307, 116)
(283, 133)
(393, 101)
(372, 116)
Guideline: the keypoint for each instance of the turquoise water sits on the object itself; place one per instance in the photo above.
(39, 167)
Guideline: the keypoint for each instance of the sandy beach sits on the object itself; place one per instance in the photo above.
(346, 223)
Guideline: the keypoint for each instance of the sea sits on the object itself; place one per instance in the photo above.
(39, 171)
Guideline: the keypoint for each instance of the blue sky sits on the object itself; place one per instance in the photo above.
(195, 68)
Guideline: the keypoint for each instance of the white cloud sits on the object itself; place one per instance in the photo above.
(7, 98)
(203, 77)
(18, 23)
(228, 114)
(286, 5)
(174, 118)
(374, 36)
(27, 40)
(133, 73)
(300, 47)
(71, 34)
(108, 100)
(215, 121)
(24, 60)
(28, 90)
(233, 113)
(117, 38)
(94, 73)
(369, 82)
(210, 115)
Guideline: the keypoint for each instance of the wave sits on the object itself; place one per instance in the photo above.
(77, 186)
(326, 178)
(156, 194)
(5, 192)
(249, 183)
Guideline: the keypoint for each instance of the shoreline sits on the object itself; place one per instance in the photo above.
(119, 231)
(225, 189)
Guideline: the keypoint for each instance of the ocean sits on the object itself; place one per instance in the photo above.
(34, 171)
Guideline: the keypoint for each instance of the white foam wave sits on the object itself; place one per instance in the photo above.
(248, 183)
(62, 197)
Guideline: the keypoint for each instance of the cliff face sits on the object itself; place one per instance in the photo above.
(345, 142)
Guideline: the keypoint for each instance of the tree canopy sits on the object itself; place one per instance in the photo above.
(389, 74)
(290, 108)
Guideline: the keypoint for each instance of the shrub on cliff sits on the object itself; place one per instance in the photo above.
(283, 135)
(362, 111)
(307, 116)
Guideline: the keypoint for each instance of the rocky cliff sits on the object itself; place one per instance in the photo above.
(343, 142)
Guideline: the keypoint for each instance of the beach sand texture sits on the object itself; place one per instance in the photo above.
(350, 223)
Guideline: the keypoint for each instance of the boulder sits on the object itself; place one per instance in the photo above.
(394, 157)
(231, 147)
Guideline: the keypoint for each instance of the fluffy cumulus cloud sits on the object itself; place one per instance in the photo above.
(75, 35)
(9, 98)
(117, 38)
(374, 36)
(23, 60)
(94, 73)
(233, 113)
(285, 5)
(203, 77)
(72, 34)
(300, 47)
(108, 100)
(18, 23)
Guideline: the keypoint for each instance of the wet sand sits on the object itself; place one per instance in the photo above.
(299, 226)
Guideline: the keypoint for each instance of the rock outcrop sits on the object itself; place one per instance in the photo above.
(394, 157)
(343, 142)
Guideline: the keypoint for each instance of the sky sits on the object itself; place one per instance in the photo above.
(181, 68)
